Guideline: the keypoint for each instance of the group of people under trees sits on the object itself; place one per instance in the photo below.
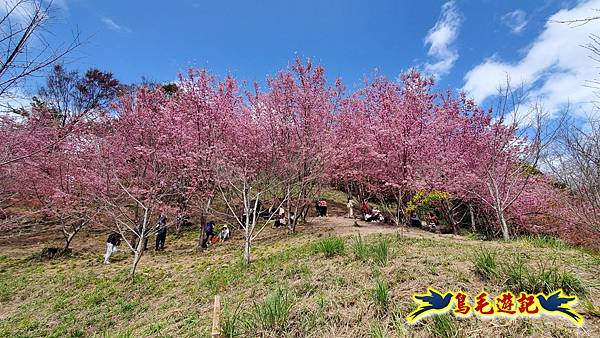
(160, 231)
(210, 237)
(431, 221)
(372, 215)
(376, 216)
(276, 213)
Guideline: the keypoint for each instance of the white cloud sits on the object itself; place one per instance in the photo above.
(440, 39)
(515, 21)
(555, 68)
(112, 25)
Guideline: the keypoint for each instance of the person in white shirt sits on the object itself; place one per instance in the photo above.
(224, 234)
(350, 206)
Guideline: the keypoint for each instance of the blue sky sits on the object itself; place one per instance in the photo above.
(467, 44)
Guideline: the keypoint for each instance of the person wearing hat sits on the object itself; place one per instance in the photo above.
(224, 234)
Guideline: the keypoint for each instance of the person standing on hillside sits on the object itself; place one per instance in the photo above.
(350, 206)
(432, 221)
(112, 242)
(161, 232)
(161, 235)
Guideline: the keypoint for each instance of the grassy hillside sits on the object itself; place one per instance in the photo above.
(330, 284)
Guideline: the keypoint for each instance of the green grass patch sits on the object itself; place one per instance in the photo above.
(273, 313)
(515, 273)
(230, 321)
(545, 241)
(376, 330)
(330, 246)
(443, 326)
(381, 251)
(360, 249)
(381, 296)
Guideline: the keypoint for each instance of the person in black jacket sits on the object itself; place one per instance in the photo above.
(112, 242)
(161, 232)
(209, 232)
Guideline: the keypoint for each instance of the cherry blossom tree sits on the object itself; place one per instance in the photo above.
(133, 168)
(201, 108)
(247, 171)
(298, 109)
(387, 124)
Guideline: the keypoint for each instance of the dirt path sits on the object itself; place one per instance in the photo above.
(343, 226)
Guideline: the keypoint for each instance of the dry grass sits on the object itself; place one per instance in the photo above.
(333, 296)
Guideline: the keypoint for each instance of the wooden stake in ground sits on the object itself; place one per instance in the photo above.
(216, 326)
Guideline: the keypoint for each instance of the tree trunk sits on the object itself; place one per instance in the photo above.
(399, 208)
(177, 227)
(68, 240)
(138, 252)
(450, 216)
(141, 244)
(499, 209)
(70, 235)
(136, 259)
(247, 240)
(503, 225)
(472, 215)
(291, 227)
(305, 212)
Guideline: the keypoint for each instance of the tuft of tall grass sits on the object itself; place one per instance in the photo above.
(516, 274)
(443, 326)
(273, 313)
(546, 241)
(398, 324)
(381, 250)
(548, 278)
(229, 322)
(486, 264)
(375, 330)
(591, 309)
(361, 251)
(330, 246)
(381, 295)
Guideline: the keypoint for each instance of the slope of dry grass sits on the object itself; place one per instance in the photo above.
(291, 288)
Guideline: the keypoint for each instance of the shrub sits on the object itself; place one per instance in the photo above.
(381, 251)
(360, 249)
(330, 246)
(485, 263)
